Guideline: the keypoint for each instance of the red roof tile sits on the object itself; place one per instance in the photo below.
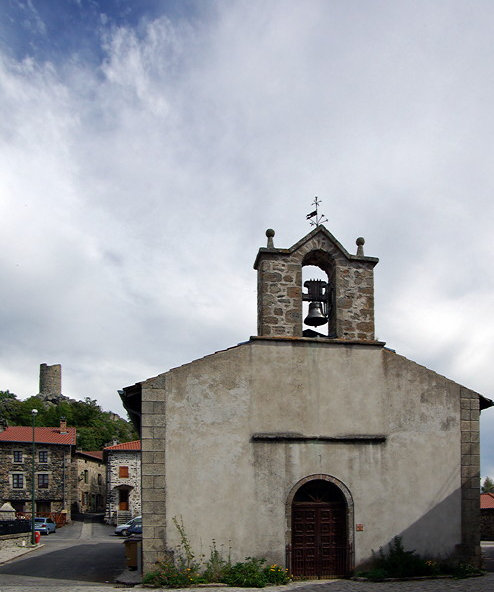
(486, 501)
(41, 435)
(135, 445)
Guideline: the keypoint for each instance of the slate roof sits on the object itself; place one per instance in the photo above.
(135, 445)
(487, 501)
(66, 436)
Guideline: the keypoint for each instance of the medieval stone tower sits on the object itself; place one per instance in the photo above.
(345, 298)
(50, 379)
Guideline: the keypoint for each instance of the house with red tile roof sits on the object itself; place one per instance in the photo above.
(123, 479)
(54, 483)
(487, 516)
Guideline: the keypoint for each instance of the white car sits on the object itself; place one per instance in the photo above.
(123, 529)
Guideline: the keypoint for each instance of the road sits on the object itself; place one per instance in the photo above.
(86, 552)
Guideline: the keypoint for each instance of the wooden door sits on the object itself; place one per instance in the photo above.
(123, 501)
(319, 533)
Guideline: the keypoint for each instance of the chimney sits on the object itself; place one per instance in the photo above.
(63, 425)
(50, 379)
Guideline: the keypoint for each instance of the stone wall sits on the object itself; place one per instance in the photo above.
(58, 469)
(132, 460)
(279, 288)
(15, 540)
(50, 379)
(91, 484)
(470, 477)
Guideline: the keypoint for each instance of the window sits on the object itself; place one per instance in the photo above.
(86, 476)
(43, 480)
(100, 479)
(43, 456)
(18, 456)
(123, 472)
(18, 481)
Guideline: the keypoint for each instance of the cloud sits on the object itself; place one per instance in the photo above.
(140, 173)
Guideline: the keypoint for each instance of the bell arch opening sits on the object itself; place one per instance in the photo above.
(318, 295)
(320, 528)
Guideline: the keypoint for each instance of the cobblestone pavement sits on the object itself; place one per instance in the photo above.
(480, 584)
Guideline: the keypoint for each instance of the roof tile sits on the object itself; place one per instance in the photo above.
(41, 435)
(135, 445)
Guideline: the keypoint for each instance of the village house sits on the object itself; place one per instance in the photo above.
(123, 478)
(53, 480)
(66, 480)
(312, 443)
(487, 516)
(90, 476)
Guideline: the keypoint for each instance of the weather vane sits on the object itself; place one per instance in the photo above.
(319, 218)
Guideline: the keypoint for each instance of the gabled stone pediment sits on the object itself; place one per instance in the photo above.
(349, 289)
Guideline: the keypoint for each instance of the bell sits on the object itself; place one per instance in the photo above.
(315, 317)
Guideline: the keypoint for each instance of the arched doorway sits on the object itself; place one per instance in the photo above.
(320, 542)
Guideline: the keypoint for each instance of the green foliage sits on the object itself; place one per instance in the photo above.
(246, 574)
(170, 575)
(488, 485)
(399, 563)
(185, 571)
(395, 562)
(95, 428)
(465, 570)
(277, 575)
(216, 565)
(377, 575)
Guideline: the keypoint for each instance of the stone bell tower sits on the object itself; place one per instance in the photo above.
(342, 304)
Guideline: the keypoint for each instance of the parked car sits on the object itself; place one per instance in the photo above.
(123, 529)
(135, 527)
(52, 525)
(42, 526)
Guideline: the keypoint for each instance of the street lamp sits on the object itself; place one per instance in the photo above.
(34, 412)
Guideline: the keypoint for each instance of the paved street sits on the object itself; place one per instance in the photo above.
(83, 552)
(65, 563)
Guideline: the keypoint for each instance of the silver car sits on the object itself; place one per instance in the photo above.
(123, 529)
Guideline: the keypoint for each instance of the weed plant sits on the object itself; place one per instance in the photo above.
(183, 570)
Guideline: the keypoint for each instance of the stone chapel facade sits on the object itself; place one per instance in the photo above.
(309, 447)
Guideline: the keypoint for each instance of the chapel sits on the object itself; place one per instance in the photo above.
(311, 443)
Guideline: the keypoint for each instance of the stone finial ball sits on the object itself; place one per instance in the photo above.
(360, 241)
(270, 233)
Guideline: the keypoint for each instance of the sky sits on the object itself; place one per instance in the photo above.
(145, 147)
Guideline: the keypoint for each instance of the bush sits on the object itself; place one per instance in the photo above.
(395, 562)
(250, 573)
(169, 575)
(184, 571)
(277, 575)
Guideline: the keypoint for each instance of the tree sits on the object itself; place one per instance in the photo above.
(488, 485)
(95, 428)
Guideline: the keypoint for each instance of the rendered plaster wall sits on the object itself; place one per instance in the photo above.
(200, 464)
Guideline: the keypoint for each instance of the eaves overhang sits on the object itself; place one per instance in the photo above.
(131, 400)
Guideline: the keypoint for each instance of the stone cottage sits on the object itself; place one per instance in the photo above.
(53, 482)
(90, 476)
(311, 443)
(123, 478)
